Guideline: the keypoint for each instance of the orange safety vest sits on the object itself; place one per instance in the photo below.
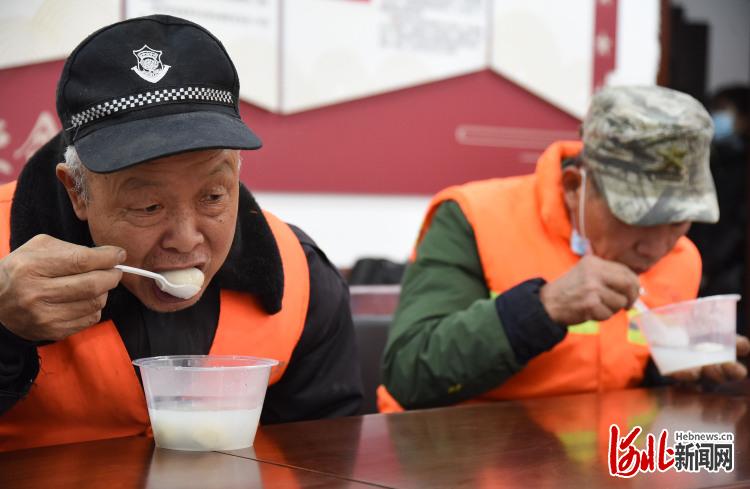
(87, 388)
(522, 230)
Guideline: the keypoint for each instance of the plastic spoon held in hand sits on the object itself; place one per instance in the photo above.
(184, 284)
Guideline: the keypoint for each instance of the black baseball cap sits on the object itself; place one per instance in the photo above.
(147, 88)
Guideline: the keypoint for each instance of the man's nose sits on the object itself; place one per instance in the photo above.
(183, 234)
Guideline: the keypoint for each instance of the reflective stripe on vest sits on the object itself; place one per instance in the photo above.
(87, 388)
(592, 327)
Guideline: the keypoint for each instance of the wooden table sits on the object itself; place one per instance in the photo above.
(135, 462)
(552, 442)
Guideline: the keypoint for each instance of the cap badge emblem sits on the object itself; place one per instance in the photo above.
(149, 65)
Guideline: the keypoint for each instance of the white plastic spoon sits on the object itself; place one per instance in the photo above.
(182, 291)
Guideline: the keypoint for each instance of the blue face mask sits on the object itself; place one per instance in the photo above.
(578, 244)
(723, 124)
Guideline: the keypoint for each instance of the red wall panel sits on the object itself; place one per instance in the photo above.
(399, 142)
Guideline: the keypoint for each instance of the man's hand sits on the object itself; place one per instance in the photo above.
(723, 372)
(593, 289)
(50, 289)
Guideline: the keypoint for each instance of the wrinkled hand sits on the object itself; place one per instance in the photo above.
(50, 289)
(593, 289)
(719, 373)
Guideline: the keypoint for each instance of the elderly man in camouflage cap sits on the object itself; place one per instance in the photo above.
(648, 150)
(522, 287)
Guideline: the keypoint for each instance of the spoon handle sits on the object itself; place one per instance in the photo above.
(139, 271)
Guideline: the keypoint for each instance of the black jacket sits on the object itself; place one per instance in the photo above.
(322, 378)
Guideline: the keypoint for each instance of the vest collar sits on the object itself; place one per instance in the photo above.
(41, 206)
(549, 189)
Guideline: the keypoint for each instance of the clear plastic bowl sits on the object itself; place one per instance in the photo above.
(203, 402)
(692, 333)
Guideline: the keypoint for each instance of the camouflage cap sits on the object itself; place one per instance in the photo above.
(648, 150)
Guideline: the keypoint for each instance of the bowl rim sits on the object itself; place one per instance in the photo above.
(159, 362)
(667, 308)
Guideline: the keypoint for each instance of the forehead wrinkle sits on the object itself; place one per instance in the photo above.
(160, 173)
(138, 183)
(224, 166)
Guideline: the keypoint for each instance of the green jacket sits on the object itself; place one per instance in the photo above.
(447, 343)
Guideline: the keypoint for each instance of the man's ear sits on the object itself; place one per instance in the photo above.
(76, 199)
(571, 182)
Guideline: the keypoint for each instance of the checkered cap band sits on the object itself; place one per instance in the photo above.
(156, 97)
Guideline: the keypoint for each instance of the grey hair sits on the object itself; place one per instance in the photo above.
(77, 172)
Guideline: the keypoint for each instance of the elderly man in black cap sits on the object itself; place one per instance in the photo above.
(150, 179)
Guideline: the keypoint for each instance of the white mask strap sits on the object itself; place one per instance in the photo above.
(578, 241)
(581, 203)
